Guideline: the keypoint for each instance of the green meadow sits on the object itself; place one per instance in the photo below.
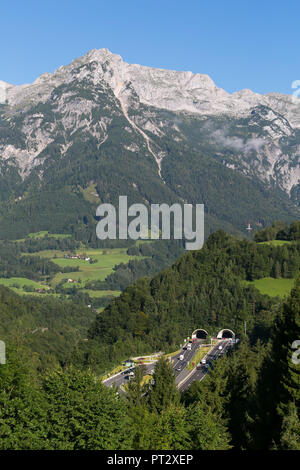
(273, 287)
(105, 259)
(90, 194)
(43, 234)
(20, 281)
(101, 293)
(276, 242)
(17, 284)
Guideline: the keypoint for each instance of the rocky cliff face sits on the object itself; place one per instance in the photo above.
(149, 118)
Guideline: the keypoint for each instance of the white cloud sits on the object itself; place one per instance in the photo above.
(236, 143)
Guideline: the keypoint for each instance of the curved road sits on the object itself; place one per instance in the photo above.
(184, 378)
(199, 373)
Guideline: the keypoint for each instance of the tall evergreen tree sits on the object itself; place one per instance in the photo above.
(279, 387)
(135, 389)
(163, 392)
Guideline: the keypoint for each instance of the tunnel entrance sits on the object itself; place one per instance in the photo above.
(225, 334)
(199, 334)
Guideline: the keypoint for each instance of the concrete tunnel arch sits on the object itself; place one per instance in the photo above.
(199, 334)
(225, 333)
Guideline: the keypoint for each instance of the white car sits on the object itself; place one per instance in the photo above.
(220, 348)
(203, 361)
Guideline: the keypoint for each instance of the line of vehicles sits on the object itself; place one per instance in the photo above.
(129, 373)
(181, 363)
(204, 364)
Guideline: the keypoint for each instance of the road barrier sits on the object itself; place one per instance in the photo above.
(193, 370)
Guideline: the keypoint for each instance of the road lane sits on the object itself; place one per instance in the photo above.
(199, 374)
(121, 379)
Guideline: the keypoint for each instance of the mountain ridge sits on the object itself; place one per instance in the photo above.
(188, 80)
(153, 134)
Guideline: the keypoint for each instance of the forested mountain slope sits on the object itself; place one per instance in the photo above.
(99, 128)
(203, 289)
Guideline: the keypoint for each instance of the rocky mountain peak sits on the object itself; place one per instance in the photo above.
(256, 135)
(179, 91)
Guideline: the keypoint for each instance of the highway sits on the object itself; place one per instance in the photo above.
(199, 374)
(121, 379)
(179, 366)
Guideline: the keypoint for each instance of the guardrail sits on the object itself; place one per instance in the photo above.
(139, 358)
(122, 371)
(193, 370)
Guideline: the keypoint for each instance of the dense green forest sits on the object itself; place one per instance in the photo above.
(203, 289)
(48, 327)
(51, 395)
(256, 389)
(279, 231)
(249, 401)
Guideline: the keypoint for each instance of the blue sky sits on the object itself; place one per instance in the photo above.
(240, 44)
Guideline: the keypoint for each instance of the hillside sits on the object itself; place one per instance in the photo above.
(249, 400)
(203, 289)
(47, 328)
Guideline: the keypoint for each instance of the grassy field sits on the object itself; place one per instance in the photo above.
(100, 293)
(273, 287)
(90, 194)
(17, 284)
(198, 356)
(47, 254)
(276, 242)
(43, 234)
(106, 259)
(20, 281)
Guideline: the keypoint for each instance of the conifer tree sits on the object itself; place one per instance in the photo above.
(280, 382)
(164, 391)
